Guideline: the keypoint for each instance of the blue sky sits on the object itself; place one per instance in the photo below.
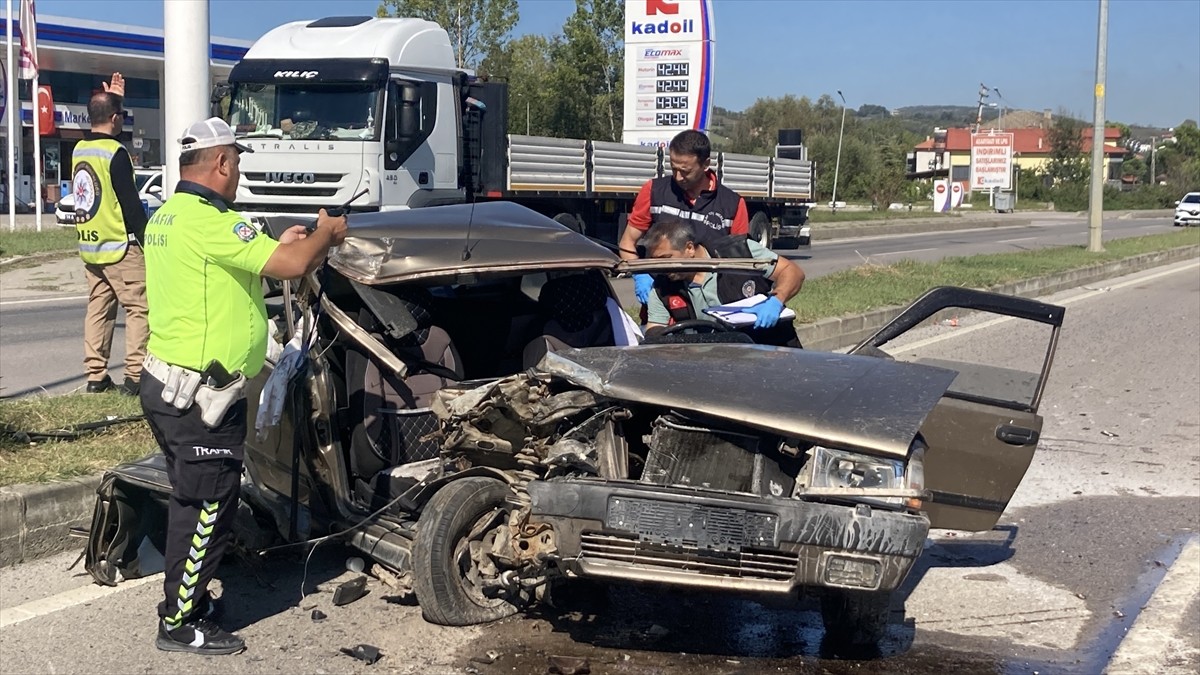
(1039, 53)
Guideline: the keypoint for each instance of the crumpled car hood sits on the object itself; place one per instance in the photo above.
(854, 402)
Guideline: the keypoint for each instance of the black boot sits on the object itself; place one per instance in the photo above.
(99, 386)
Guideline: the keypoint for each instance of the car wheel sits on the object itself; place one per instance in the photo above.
(451, 565)
(760, 228)
(855, 619)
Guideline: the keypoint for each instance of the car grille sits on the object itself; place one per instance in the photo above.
(685, 524)
(748, 564)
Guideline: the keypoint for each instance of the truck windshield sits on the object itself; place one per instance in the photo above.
(326, 111)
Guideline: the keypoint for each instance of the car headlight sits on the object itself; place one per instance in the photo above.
(842, 469)
(832, 468)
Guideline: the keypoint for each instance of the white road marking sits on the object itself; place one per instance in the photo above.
(67, 599)
(920, 344)
(1147, 646)
(42, 300)
(1005, 241)
(913, 250)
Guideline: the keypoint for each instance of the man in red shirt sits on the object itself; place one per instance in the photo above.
(691, 194)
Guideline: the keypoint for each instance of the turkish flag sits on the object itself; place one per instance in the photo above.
(45, 110)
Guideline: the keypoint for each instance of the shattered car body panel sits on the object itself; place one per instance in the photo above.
(853, 402)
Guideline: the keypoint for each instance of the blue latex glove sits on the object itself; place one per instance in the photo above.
(643, 284)
(766, 313)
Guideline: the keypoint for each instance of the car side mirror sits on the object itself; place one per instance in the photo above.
(1176, 202)
(155, 190)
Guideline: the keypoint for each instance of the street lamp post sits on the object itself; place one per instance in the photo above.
(838, 164)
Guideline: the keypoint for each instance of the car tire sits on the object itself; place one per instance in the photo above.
(570, 221)
(442, 585)
(760, 228)
(855, 619)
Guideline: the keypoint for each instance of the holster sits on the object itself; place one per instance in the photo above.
(179, 387)
(214, 402)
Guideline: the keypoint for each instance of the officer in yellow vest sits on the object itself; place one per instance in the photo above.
(109, 221)
(208, 333)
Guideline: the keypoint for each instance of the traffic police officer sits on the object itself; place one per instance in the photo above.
(208, 333)
(691, 194)
(109, 221)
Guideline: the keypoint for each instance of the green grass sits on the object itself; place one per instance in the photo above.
(28, 242)
(25, 462)
(827, 216)
(870, 286)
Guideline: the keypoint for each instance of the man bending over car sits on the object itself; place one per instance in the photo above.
(683, 296)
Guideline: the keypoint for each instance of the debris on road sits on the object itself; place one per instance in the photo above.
(349, 591)
(318, 615)
(568, 665)
(487, 658)
(1110, 434)
(366, 653)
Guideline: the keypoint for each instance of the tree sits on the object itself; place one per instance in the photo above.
(1067, 163)
(589, 65)
(871, 110)
(527, 65)
(476, 27)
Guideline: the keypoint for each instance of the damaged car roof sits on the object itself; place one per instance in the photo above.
(440, 240)
(854, 402)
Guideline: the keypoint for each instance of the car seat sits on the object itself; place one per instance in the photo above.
(391, 416)
(576, 315)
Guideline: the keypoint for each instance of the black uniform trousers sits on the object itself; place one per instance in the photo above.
(204, 466)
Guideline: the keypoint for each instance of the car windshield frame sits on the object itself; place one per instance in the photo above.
(316, 109)
(1192, 198)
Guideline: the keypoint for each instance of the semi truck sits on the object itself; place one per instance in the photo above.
(377, 107)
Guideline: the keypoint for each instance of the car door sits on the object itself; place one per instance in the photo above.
(983, 433)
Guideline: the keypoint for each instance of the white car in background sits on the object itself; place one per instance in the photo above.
(149, 182)
(1187, 210)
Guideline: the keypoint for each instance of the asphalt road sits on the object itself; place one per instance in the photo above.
(1052, 230)
(41, 348)
(1099, 520)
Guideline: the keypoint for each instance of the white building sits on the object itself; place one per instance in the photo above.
(76, 57)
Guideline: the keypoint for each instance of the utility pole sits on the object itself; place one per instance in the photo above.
(838, 164)
(1153, 147)
(983, 93)
(1096, 201)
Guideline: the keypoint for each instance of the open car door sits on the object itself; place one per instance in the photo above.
(982, 434)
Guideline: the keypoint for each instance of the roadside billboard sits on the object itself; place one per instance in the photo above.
(668, 68)
(991, 161)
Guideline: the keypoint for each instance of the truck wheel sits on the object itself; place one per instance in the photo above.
(451, 566)
(570, 221)
(855, 619)
(760, 228)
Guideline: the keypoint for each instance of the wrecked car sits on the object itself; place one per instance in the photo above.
(474, 411)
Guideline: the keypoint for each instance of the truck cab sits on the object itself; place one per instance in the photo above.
(339, 105)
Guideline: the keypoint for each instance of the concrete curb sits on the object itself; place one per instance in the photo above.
(853, 230)
(35, 519)
(837, 332)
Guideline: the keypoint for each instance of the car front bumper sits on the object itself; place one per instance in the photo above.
(1185, 218)
(676, 536)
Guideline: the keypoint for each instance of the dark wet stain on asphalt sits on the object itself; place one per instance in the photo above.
(673, 632)
(642, 630)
